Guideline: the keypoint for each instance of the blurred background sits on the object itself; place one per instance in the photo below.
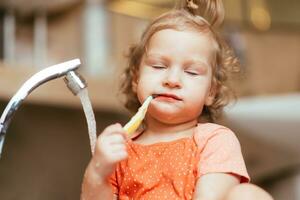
(47, 147)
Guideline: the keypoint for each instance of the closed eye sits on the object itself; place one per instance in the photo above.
(193, 73)
(158, 66)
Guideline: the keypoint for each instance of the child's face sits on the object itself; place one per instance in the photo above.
(177, 69)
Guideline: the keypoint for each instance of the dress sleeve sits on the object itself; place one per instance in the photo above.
(220, 152)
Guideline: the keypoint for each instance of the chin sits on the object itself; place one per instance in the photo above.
(165, 116)
(169, 120)
(172, 114)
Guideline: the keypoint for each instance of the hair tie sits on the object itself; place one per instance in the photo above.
(191, 4)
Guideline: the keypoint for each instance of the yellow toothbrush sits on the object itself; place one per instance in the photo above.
(137, 119)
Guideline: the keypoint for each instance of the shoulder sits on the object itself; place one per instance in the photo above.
(219, 151)
(209, 127)
(207, 130)
(210, 132)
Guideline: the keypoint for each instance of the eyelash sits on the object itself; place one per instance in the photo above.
(158, 66)
(163, 67)
(192, 73)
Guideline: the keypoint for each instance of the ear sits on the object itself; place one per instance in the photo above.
(211, 96)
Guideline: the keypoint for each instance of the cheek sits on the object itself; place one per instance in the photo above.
(147, 80)
(198, 92)
(196, 107)
(143, 88)
(147, 85)
(197, 100)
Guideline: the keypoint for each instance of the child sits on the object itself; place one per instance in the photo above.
(183, 63)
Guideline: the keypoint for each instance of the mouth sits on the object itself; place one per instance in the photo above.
(167, 96)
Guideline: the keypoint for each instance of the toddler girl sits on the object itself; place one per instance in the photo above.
(183, 63)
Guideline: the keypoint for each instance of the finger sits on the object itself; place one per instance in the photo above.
(110, 151)
(109, 129)
(116, 139)
(121, 155)
(118, 128)
(119, 132)
(118, 148)
(124, 134)
(113, 129)
(116, 156)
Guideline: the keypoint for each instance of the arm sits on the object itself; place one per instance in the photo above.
(110, 149)
(94, 186)
(214, 186)
(221, 165)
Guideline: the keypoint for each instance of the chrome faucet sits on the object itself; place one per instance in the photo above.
(74, 82)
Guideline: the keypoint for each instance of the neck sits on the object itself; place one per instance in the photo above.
(158, 127)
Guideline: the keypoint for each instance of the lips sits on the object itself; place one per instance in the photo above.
(168, 96)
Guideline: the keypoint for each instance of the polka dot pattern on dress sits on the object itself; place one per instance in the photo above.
(166, 170)
(169, 170)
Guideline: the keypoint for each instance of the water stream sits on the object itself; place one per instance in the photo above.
(90, 117)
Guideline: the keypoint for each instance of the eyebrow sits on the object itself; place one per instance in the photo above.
(189, 61)
(157, 56)
(198, 62)
(154, 55)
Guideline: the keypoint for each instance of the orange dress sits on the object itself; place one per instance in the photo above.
(169, 170)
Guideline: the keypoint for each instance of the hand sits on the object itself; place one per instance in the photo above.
(110, 149)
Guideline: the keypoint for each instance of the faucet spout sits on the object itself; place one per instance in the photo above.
(35, 81)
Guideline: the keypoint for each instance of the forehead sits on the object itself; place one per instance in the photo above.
(186, 43)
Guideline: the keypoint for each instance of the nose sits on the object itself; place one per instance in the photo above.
(172, 78)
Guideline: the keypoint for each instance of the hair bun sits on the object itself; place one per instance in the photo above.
(191, 4)
(211, 10)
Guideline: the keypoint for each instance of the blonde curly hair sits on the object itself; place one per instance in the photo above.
(181, 19)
